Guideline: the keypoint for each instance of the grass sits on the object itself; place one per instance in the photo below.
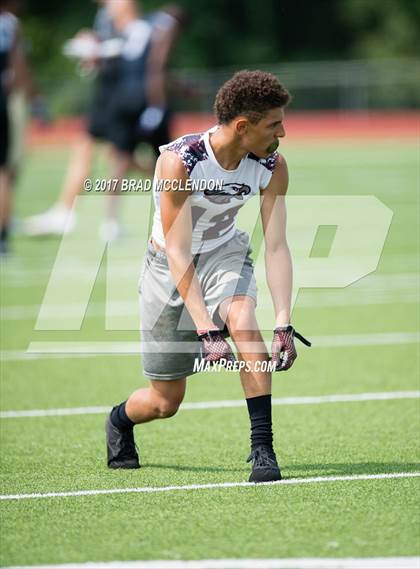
(336, 519)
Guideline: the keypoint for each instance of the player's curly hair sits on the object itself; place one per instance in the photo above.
(249, 93)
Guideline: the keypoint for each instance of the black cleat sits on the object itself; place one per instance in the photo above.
(121, 448)
(264, 465)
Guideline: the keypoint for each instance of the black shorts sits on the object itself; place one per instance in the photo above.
(99, 116)
(4, 131)
(124, 132)
(126, 108)
(126, 105)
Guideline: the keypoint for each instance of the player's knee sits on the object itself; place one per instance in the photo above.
(244, 327)
(167, 396)
(166, 408)
(252, 336)
(241, 317)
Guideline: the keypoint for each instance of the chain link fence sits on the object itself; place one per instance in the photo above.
(315, 85)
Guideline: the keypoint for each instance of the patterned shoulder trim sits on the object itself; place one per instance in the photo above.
(269, 162)
(191, 149)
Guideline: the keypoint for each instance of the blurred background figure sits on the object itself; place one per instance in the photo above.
(17, 91)
(25, 99)
(8, 46)
(141, 110)
(91, 48)
(130, 54)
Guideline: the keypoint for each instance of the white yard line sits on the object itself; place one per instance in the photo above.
(291, 563)
(375, 289)
(217, 485)
(223, 404)
(42, 350)
(21, 355)
(106, 348)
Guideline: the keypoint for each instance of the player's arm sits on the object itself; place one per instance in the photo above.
(163, 39)
(278, 262)
(22, 78)
(278, 266)
(160, 51)
(176, 218)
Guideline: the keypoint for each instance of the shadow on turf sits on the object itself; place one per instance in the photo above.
(189, 468)
(310, 469)
(355, 468)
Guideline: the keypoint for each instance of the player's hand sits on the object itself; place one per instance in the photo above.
(214, 347)
(150, 120)
(85, 45)
(283, 347)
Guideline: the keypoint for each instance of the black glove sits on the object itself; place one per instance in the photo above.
(283, 347)
(214, 347)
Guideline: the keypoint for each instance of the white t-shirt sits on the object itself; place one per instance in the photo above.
(137, 35)
(217, 194)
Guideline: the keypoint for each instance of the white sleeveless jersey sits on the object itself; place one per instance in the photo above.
(217, 194)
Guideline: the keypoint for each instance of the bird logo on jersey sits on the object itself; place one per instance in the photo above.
(229, 191)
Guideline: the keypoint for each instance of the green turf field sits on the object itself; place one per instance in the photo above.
(373, 324)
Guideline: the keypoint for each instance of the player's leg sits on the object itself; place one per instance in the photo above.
(167, 360)
(60, 218)
(5, 208)
(18, 113)
(159, 401)
(143, 166)
(110, 228)
(239, 314)
(5, 180)
(78, 170)
(123, 139)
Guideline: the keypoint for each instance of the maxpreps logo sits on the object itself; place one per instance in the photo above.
(228, 191)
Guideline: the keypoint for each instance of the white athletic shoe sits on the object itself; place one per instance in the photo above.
(110, 230)
(58, 220)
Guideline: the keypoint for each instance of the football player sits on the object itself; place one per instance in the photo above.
(198, 285)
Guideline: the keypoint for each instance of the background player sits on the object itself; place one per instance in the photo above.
(139, 111)
(86, 45)
(17, 87)
(129, 105)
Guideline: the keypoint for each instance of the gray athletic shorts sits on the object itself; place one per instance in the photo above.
(168, 334)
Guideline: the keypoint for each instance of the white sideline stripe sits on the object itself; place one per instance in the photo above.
(155, 489)
(223, 404)
(291, 563)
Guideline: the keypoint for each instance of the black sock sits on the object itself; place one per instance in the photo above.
(259, 409)
(119, 418)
